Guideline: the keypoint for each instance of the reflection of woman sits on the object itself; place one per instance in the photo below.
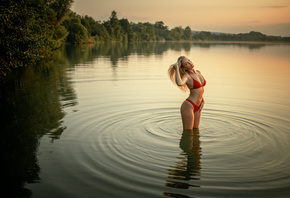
(190, 144)
(186, 77)
(189, 167)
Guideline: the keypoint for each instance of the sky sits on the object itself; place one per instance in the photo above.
(270, 17)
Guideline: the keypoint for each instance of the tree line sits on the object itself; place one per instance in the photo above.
(31, 30)
(121, 30)
(251, 36)
(85, 29)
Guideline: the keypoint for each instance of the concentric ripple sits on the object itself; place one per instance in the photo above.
(136, 150)
(122, 135)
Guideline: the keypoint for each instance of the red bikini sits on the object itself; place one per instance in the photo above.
(196, 85)
(195, 107)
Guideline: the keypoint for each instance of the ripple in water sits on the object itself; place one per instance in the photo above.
(141, 150)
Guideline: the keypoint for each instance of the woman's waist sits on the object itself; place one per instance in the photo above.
(195, 99)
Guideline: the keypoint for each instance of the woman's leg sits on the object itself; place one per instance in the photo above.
(197, 116)
(187, 115)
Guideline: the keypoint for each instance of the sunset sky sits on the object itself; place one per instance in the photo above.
(271, 17)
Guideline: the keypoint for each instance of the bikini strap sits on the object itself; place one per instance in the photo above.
(192, 82)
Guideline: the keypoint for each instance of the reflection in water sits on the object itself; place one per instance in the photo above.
(249, 45)
(188, 167)
(121, 51)
(31, 105)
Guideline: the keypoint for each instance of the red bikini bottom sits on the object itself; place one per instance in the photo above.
(195, 107)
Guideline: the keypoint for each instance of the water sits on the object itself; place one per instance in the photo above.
(104, 121)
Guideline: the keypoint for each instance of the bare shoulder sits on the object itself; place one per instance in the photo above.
(186, 76)
(198, 71)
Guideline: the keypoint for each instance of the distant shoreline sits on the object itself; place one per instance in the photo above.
(231, 42)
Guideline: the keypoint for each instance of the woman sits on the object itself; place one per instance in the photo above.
(186, 77)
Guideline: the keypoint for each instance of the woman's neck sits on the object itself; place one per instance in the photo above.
(192, 71)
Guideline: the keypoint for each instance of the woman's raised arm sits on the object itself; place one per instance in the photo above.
(179, 81)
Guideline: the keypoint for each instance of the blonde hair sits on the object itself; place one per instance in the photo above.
(182, 71)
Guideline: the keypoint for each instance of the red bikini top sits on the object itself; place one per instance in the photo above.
(197, 84)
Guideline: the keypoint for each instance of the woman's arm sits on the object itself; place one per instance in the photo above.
(180, 81)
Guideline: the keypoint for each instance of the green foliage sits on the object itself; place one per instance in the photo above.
(102, 33)
(121, 30)
(77, 32)
(85, 22)
(60, 33)
(115, 30)
(115, 24)
(160, 30)
(30, 31)
(110, 30)
(147, 33)
(187, 35)
(251, 36)
(144, 31)
(202, 36)
(127, 30)
(60, 8)
(176, 33)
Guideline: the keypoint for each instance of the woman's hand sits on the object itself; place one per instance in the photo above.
(175, 66)
(201, 105)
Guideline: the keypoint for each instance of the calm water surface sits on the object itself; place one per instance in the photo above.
(104, 121)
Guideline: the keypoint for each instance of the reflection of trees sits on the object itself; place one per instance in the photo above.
(120, 51)
(76, 54)
(31, 105)
(248, 45)
(188, 167)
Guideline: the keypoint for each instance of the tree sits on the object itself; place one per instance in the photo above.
(127, 30)
(176, 33)
(102, 32)
(187, 35)
(110, 30)
(60, 7)
(77, 32)
(87, 23)
(30, 31)
(202, 36)
(116, 26)
(147, 33)
(161, 31)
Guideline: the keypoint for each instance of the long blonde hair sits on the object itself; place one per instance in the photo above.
(182, 71)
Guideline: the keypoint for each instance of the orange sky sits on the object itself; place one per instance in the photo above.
(271, 17)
